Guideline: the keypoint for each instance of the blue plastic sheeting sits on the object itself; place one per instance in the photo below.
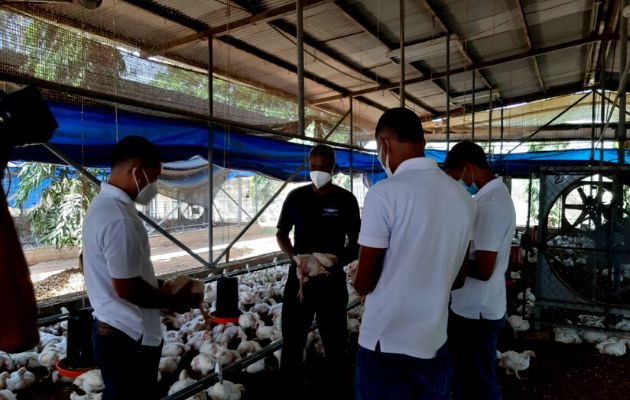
(86, 134)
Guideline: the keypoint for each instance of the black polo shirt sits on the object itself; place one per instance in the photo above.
(322, 222)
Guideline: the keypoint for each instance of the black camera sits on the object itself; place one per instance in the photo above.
(24, 119)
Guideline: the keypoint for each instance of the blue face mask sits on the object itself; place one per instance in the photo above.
(472, 189)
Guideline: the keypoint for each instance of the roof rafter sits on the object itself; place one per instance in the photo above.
(291, 30)
(359, 19)
(528, 39)
(265, 16)
(194, 24)
(479, 66)
(442, 23)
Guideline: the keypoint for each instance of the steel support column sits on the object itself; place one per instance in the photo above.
(210, 150)
(402, 53)
(299, 10)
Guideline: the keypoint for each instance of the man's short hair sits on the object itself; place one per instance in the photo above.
(404, 123)
(325, 151)
(466, 151)
(136, 147)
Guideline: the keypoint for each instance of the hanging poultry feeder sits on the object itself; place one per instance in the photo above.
(227, 302)
(80, 355)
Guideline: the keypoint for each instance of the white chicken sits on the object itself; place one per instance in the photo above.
(247, 347)
(87, 396)
(248, 320)
(6, 394)
(515, 275)
(52, 353)
(267, 332)
(592, 320)
(258, 366)
(311, 265)
(226, 390)
(28, 359)
(6, 362)
(613, 346)
(623, 325)
(594, 337)
(90, 382)
(515, 362)
(203, 363)
(227, 357)
(567, 336)
(528, 310)
(518, 324)
(183, 382)
(18, 380)
(175, 349)
(353, 325)
(168, 365)
(529, 296)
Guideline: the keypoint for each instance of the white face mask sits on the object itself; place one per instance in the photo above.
(320, 178)
(385, 164)
(147, 193)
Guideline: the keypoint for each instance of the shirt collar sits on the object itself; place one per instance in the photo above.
(488, 187)
(117, 193)
(416, 163)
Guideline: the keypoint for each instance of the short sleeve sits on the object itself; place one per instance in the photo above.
(286, 220)
(122, 248)
(375, 225)
(490, 227)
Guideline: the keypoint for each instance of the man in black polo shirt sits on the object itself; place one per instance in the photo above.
(326, 220)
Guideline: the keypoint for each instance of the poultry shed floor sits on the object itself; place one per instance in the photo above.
(558, 372)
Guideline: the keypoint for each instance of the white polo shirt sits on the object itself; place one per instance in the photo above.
(494, 229)
(116, 245)
(425, 221)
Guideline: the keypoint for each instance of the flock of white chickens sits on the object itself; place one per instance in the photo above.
(185, 336)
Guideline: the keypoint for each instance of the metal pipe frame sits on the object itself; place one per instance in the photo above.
(351, 144)
(271, 199)
(623, 60)
(235, 202)
(551, 121)
(299, 10)
(402, 52)
(210, 150)
(473, 107)
(448, 97)
(65, 158)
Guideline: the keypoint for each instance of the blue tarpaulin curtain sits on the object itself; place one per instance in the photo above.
(87, 133)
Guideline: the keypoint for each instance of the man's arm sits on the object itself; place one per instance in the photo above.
(351, 251)
(463, 272)
(284, 242)
(369, 269)
(137, 291)
(482, 266)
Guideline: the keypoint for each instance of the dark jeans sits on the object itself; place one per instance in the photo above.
(387, 376)
(473, 344)
(325, 297)
(129, 369)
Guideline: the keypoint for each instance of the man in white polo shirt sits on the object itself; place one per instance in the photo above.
(119, 276)
(478, 308)
(416, 228)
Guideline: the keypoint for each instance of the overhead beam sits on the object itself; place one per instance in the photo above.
(612, 19)
(360, 20)
(291, 30)
(442, 24)
(476, 67)
(528, 39)
(262, 17)
(176, 16)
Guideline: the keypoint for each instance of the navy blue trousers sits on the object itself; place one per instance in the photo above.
(473, 344)
(387, 376)
(129, 369)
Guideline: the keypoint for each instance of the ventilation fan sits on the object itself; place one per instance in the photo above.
(584, 238)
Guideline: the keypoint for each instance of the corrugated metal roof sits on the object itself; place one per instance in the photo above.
(361, 33)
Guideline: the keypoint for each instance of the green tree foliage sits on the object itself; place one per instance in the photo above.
(57, 218)
(65, 56)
